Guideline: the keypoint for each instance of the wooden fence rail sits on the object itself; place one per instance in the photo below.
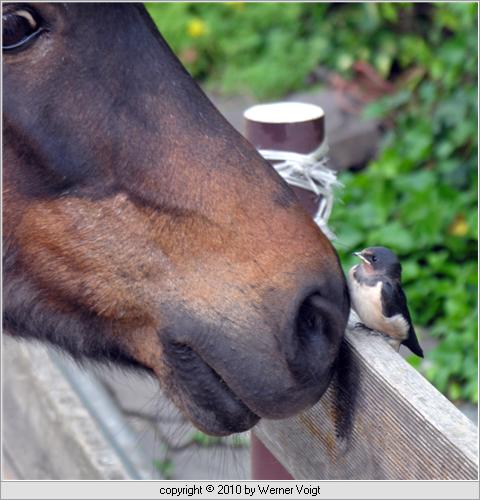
(380, 419)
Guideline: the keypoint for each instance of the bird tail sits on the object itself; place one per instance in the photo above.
(412, 343)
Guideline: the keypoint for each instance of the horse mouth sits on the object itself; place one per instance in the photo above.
(208, 401)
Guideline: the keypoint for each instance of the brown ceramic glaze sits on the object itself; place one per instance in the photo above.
(297, 136)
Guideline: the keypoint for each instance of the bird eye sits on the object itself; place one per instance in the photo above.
(374, 258)
(20, 26)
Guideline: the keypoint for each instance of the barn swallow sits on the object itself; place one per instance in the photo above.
(378, 299)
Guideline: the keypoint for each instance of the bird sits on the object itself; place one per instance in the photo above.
(378, 298)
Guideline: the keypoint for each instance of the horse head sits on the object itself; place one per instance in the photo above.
(141, 229)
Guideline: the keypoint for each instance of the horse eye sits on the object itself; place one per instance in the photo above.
(19, 27)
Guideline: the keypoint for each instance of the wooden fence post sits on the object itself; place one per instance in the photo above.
(297, 128)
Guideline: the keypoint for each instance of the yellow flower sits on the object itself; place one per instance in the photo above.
(459, 226)
(196, 28)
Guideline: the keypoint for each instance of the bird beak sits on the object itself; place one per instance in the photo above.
(361, 256)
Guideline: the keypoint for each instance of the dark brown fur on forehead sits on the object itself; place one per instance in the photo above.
(127, 113)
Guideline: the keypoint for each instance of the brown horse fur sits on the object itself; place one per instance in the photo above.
(140, 228)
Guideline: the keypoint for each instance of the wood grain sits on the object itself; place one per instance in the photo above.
(380, 419)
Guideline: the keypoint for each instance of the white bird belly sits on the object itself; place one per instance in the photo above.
(367, 302)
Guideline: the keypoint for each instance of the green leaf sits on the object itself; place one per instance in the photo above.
(165, 467)
(205, 440)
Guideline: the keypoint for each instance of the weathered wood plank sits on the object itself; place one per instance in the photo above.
(48, 433)
(380, 419)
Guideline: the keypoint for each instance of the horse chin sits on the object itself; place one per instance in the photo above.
(221, 422)
(203, 396)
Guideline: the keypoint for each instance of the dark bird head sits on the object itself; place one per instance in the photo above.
(380, 261)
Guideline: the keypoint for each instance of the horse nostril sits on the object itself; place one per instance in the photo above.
(314, 341)
(308, 321)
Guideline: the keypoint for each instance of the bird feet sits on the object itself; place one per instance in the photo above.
(361, 326)
(367, 330)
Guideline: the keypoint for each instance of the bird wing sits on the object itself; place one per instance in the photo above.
(394, 302)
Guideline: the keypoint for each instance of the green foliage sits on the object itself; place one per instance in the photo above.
(419, 196)
(165, 467)
(270, 48)
(165, 464)
(206, 441)
(238, 46)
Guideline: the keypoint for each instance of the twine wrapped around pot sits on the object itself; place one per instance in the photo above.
(310, 172)
(291, 136)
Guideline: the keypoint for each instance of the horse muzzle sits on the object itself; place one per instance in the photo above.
(227, 378)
